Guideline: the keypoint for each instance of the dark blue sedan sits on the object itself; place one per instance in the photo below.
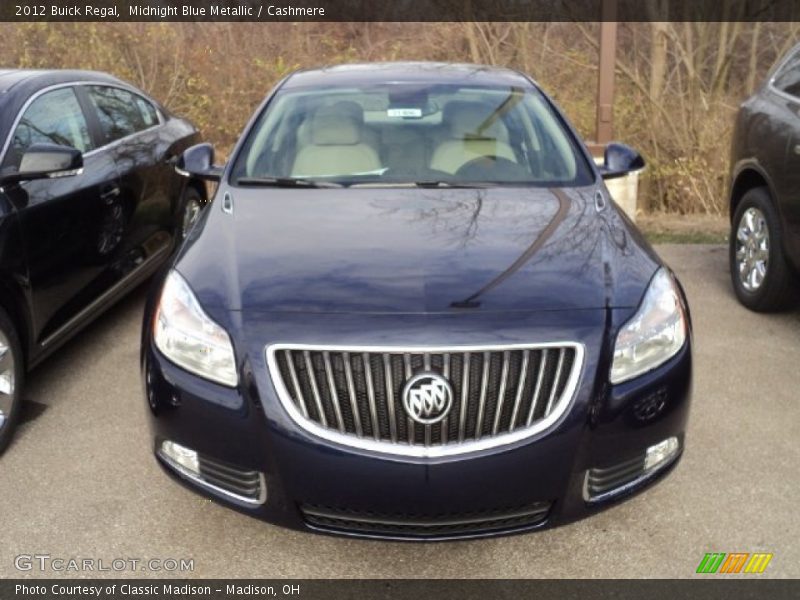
(413, 311)
(90, 207)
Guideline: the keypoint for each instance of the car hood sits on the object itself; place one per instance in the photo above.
(411, 250)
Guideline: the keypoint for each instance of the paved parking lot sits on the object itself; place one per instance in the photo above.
(79, 481)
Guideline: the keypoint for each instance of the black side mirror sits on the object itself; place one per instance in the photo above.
(198, 161)
(46, 161)
(619, 160)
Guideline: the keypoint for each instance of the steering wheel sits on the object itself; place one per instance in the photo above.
(491, 168)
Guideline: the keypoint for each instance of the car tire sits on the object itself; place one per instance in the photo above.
(192, 205)
(12, 375)
(762, 278)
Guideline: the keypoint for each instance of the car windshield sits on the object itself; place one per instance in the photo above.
(406, 134)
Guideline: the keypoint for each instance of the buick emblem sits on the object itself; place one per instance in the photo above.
(427, 398)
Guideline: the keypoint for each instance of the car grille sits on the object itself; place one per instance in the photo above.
(498, 394)
(424, 526)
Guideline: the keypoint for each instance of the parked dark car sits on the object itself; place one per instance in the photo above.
(90, 205)
(765, 192)
(414, 312)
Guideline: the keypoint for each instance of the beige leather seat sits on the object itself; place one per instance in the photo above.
(347, 107)
(334, 147)
(465, 142)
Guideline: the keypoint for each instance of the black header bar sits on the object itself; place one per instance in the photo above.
(396, 10)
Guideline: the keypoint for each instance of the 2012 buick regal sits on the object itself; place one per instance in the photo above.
(412, 311)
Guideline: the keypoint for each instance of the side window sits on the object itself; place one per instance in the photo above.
(121, 113)
(53, 118)
(148, 112)
(788, 78)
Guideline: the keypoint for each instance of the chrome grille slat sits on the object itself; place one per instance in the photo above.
(487, 363)
(337, 410)
(314, 388)
(351, 392)
(526, 355)
(296, 383)
(407, 364)
(373, 410)
(539, 380)
(502, 393)
(559, 366)
(464, 398)
(446, 420)
(426, 365)
(387, 368)
(354, 395)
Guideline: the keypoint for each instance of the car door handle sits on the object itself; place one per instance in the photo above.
(110, 193)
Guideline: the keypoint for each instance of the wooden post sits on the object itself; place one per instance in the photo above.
(604, 130)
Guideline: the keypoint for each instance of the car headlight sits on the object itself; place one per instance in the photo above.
(654, 334)
(187, 336)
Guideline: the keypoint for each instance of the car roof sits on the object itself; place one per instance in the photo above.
(401, 72)
(34, 79)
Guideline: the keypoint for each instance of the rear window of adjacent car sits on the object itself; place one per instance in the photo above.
(787, 79)
(53, 118)
(121, 113)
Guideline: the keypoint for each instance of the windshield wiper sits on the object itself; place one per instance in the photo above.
(451, 184)
(286, 182)
(478, 184)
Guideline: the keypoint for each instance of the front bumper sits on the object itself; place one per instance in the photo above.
(315, 484)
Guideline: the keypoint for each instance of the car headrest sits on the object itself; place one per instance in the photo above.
(332, 126)
(349, 108)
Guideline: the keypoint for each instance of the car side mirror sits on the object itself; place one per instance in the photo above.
(198, 161)
(46, 161)
(619, 160)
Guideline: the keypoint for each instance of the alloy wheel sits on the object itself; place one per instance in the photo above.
(7, 388)
(752, 249)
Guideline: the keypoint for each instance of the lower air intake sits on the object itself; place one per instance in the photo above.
(410, 526)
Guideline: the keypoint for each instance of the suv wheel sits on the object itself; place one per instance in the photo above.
(762, 278)
(11, 379)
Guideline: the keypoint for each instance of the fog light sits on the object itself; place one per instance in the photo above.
(181, 455)
(661, 453)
